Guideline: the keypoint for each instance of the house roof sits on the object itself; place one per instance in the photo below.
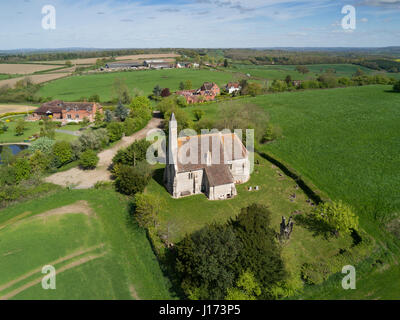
(208, 86)
(57, 106)
(233, 85)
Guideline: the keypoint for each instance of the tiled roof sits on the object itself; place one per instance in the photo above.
(57, 106)
(218, 175)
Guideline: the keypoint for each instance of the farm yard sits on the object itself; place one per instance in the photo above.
(98, 255)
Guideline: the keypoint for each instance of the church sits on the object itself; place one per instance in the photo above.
(209, 163)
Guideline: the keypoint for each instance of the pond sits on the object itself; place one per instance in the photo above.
(15, 148)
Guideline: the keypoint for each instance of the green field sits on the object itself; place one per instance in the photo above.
(73, 88)
(279, 72)
(31, 128)
(96, 248)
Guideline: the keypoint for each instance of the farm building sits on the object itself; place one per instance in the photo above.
(207, 92)
(123, 65)
(216, 163)
(157, 64)
(232, 87)
(181, 65)
(66, 111)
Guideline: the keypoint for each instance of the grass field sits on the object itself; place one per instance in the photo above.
(186, 215)
(91, 240)
(75, 87)
(31, 128)
(346, 141)
(279, 72)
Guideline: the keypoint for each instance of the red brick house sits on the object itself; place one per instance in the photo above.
(67, 111)
(207, 92)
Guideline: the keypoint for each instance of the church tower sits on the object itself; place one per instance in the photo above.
(171, 168)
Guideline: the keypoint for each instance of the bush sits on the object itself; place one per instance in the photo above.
(22, 169)
(133, 154)
(94, 140)
(89, 159)
(131, 180)
(115, 131)
(39, 161)
(396, 86)
(7, 175)
(62, 153)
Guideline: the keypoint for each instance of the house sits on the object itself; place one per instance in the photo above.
(181, 65)
(232, 87)
(207, 92)
(217, 161)
(296, 83)
(66, 111)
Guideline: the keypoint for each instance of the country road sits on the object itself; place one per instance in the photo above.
(85, 179)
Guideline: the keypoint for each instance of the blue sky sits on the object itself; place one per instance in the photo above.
(198, 23)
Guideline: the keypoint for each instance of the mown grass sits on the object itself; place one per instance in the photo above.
(279, 72)
(31, 128)
(73, 88)
(186, 215)
(346, 141)
(129, 263)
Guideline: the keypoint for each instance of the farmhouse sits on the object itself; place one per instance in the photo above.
(209, 163)
(232, 87)
(207, 92)
(66, 111)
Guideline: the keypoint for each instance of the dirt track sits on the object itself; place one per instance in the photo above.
(85, 179)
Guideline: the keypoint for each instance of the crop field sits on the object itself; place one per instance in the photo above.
(36, 78)
(20, 68)
(90, 239)
(90, 61)
(5, 108)
(73, 88)
(279, 72)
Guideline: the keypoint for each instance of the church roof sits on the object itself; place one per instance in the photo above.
(218, 175)
(228, 148)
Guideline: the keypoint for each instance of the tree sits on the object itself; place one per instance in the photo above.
(302, 69)
(108, 117)
(88, 159)
(62, 153)
(226, 63)
(120, 90)
(181, 86)
(198, 114)
(147, 207)
(48, 129)
(39, 161)
(358, 73)
(165, 93)
(247, 288)
(98, 119)
(338, 215)
(396, 86)
(6, 155)
(206, 262)
(188, 85)
(121, 112)
(157, 91)
(68, 63)
(288, 80)
(278, 86)
(254, 89)
(131, 180)
(94, 98)
(20, 127)
(259, 251)
(133, 154)
(115, 131)
(22, 169)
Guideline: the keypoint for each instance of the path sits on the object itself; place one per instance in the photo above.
(72, 133)
(85, 179)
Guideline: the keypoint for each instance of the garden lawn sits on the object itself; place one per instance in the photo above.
(73, 88)
(105, 255)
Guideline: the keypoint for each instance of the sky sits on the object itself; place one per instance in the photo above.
(198, 24)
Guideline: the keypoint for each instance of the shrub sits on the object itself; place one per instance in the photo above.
(94, 140)
(88, 159)
(43, 144)
(115, 131)
(147, 207)
(39, 161)
(133, 154)
(396, 86)
(7, 175)
(20, 127)
(22, 169)
(131, 180)
(62, 153)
